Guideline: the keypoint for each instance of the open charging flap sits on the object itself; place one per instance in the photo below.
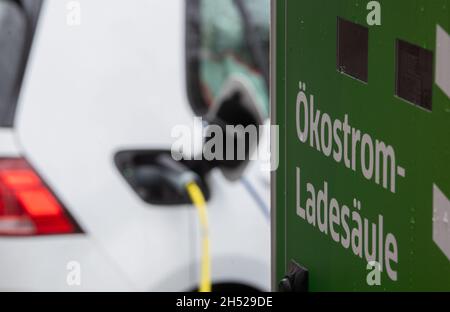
(236, 113)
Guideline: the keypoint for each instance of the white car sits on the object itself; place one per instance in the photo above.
(95, 94)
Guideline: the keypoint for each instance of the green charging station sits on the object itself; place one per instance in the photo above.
(360, 91)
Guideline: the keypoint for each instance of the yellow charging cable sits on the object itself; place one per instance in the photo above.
(197, 198)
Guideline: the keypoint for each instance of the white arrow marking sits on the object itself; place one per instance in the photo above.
(443, 60)
(441, 226)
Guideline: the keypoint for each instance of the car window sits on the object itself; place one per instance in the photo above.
(17, 22)
(220, 46)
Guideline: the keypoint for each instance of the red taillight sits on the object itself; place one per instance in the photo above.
(27, 206)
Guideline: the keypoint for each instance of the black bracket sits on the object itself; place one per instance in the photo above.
(296, 280)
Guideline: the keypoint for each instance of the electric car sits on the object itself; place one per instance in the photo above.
(90, 93)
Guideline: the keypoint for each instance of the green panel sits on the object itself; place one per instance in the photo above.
(306, 44)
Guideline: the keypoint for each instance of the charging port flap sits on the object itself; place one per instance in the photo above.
(158, 179)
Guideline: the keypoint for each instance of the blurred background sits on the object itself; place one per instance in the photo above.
(90, 94)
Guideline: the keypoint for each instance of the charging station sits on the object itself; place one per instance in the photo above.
(361, 94)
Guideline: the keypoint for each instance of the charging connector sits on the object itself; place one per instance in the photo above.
(186, 181)
(196, 195)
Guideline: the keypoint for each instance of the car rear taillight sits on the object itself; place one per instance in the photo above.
(27, 206)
